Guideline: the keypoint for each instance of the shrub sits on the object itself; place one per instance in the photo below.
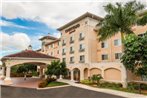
(43, 84)
(135, 86)
(51, 80)
(110, 85)
(88, 82)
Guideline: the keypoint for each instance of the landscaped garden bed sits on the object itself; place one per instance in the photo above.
(50, 82)
(132, 87)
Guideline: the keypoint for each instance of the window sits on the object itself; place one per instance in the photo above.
(104, 45)
(118, 55)
(82, 58)
(51, 53)
(104, 57)
(81, 36)
(63, 51)
(72, 39)
(64, 59)
(64, 42)
(117, 42)
(71, 59)
(58, 52)
(82, 48)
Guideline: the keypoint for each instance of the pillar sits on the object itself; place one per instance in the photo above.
(81, 74)
(103, 73)
(72, 75)
(8, 80)
(3, 73)
(41, 72)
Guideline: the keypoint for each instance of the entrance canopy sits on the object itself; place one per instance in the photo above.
(26, 56)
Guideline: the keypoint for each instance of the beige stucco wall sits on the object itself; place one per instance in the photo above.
(112, 74)
(95, 71)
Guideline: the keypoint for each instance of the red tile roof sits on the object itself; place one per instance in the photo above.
(29, 54)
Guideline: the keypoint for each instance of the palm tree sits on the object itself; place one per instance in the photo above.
(119, 19)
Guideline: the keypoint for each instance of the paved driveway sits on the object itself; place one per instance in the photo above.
(64, 92)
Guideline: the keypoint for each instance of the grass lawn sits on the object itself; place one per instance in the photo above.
(51, 84)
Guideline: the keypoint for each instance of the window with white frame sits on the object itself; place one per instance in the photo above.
(118, 55)
(81, 36)
(104, 44)
(104, 56)
(117, 42)
(82, 47)
(72, 59)
(82, 58)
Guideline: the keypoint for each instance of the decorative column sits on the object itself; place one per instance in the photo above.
(103, 73)
(72, 75)
(81, 74)
(3, 73)
(41, 72)
(8, 80)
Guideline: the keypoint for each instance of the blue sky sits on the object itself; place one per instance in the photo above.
(33, 29)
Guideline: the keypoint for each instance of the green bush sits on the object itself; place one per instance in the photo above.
(110, 85)
(51, 80)
(135, 86)
(88, 82)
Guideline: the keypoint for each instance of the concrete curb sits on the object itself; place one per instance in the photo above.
(52, 87)
(108, 91)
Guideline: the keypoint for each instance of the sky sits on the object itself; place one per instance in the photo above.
(23, 22)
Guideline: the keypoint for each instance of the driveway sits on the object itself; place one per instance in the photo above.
(64, 92)
(20, 82)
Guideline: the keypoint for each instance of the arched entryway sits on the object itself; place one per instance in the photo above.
(86, 73)
(26, 56)
(95, 71)
(112, 74)
(76, 74)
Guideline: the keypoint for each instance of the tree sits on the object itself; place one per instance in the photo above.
(52, 68)
(143, 19)
(135, 54)
(56, 68)
(119, 19)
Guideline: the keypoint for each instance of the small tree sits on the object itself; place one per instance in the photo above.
(135, 54)
(96, 78)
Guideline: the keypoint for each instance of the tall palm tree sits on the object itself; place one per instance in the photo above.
(119, 19)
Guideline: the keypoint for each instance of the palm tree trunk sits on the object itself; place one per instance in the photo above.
(122, 42)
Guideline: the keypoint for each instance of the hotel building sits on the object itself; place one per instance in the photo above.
(85, 55)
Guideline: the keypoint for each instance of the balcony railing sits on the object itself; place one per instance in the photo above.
(63, 53)
(63, 44)
(81, 38)
(71, 41)
(71, 52)
(82, 61)
(81, 50)
(71, 62)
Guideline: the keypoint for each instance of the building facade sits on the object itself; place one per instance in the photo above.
(84, 54)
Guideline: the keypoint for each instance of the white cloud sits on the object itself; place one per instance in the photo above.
(17, 41)
(53, 13)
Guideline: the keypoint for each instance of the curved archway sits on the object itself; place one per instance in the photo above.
(94, 71)
(76, 74)
(112, 74)
(86, 73)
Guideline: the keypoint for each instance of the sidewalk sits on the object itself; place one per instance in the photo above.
(108, 91)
